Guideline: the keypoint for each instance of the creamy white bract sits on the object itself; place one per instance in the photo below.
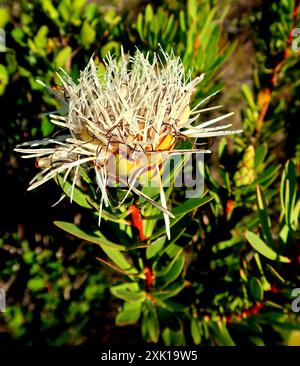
(135, 107)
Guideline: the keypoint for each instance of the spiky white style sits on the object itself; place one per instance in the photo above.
(137, 104)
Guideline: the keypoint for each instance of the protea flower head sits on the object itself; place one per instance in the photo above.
(136, 107)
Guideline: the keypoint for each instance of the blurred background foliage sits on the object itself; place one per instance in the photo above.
(229, 275)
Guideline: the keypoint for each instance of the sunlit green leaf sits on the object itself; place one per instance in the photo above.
(263, 249)
(129, 314)
(128, 292)
(79, 233)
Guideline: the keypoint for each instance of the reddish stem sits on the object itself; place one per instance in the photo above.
(137, 221)
(149, 277)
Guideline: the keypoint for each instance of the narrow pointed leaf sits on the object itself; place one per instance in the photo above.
(263, 249)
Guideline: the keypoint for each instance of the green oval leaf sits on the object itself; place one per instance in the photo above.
(263, 249)
(130, 313)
